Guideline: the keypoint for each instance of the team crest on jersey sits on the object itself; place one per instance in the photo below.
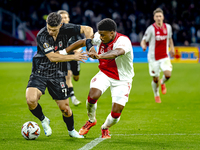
(62, 84)
(45, 45)
(56, 48)
(60, 44)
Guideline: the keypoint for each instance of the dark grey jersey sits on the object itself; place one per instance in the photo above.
(42, 66)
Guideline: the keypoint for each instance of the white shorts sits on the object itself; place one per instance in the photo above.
(119, 89)
(156, 66)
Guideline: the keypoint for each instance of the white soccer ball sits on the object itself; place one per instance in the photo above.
(30, 130)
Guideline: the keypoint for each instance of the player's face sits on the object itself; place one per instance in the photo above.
(107, 36)
(53, 31)
(65, 18)
(158, 17)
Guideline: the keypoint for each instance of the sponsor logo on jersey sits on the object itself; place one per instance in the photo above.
(49, 49)
(45, 45)
(160, 37)
(102, 49)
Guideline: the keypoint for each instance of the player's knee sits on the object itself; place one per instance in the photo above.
(66, 111)
(94, 93)
(155, 79)
(31, 101)
(115, 115)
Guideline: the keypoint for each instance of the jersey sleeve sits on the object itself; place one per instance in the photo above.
(124, 43)
(71, 29)
(147, 34)
(45, 44)
(96, 40)
(170, 31)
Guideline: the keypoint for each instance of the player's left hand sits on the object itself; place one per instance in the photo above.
(172, 53)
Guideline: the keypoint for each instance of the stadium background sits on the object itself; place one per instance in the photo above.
(21, 20)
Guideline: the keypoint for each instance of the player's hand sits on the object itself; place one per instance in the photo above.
(144, 48)
(92, 53)
(172, 53)
(79, 56)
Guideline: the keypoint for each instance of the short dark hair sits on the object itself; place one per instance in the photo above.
(54, 19)
(158, 10)
(107, 24)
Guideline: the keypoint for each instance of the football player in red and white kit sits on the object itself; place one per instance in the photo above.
(115, 54)
(159, 36)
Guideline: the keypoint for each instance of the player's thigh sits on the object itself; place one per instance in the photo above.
(100, 81)
(166, 65)
(58, 88)
(120, 92)
(35, 88)
(154, 68)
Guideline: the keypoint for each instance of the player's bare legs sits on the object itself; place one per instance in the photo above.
(111, 119)
(91, 105)
(166, 76)
(68, 117)
(32, 97)
(70, 87)
(155, 87)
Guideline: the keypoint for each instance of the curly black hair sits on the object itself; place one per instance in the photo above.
(107, 24)
(54, 19)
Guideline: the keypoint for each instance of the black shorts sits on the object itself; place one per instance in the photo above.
(57, 87)
(74, 66)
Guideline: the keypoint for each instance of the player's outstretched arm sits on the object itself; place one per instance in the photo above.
(76, 45)
(55, 57)
(171, 44)
(87, 31)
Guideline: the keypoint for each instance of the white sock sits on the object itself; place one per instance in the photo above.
(163, 79)
(110, 121)
(155, 88)
(91, 111)
(73, 98)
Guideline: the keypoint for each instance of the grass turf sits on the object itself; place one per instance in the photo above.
(174, 124)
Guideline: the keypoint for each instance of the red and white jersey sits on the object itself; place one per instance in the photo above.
(121, 67)
(158, 38)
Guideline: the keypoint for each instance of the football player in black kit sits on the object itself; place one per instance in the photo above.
(73, 66)
(49, 70)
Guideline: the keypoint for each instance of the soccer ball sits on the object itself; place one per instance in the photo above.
(30, 130)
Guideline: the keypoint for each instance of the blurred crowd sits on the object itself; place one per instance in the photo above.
(131, 16)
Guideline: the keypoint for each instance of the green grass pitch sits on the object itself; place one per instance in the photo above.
(173, 124)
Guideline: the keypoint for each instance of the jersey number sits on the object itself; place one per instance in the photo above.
(64, 91)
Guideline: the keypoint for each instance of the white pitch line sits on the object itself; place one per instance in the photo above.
(158, 134)
(92, 144)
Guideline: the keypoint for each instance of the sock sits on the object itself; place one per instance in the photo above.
(71, 92)
(110, 121)
(155, 88)
(69, 122)
(163, 79)
(91, 111)
(37, 112)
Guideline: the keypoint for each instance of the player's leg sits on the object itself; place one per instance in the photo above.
(154, 71)
(166, 67)
(97, 88)
(36, 87)
(73, 70)
(68, 117)
(58, 90)
(120, 92)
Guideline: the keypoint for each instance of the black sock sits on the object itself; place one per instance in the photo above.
(69, 122)
(71, 91)
(37, 112)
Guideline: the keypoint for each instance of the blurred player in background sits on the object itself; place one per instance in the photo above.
(49, 69)
(115, 56)
(73, 66)
(159, 36)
